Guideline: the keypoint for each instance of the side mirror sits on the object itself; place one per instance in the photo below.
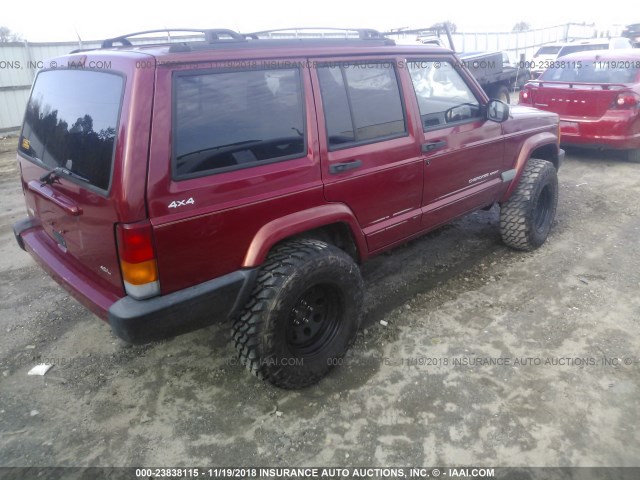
(497, 111)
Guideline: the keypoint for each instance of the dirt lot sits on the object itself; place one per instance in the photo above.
(564, 322)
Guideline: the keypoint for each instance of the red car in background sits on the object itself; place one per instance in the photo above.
(597, 96)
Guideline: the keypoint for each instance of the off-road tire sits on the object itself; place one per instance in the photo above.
(501, 93)
(303, 314)
(526, 218)
(633, 155)
(523, 77)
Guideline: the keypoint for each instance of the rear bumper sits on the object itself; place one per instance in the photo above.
(619, 132)
(22, 226)
(140, 321)
(96, 296)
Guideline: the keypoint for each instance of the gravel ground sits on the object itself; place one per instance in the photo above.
(488, 357)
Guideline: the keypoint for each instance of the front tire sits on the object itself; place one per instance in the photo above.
(303, 314)
(526, 218)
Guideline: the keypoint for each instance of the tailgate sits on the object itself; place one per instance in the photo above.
(72, 152)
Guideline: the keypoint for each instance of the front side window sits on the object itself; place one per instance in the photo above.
(361, 103)
(443, 96)
(229, 120)
(71, 122)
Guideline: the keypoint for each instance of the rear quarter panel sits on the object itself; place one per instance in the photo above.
(211, 237)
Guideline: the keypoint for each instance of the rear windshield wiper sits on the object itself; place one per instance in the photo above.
(52, 175)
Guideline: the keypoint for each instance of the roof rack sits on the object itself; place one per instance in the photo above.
(319, 33)
(211, 35)
(220, 36)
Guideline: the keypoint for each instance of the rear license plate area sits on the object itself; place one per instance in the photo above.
(569, 127)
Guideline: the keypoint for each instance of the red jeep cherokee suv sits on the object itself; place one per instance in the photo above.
(173, 185)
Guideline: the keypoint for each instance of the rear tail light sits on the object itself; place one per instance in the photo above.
(626, 100)
(525, 96)
(138, 260)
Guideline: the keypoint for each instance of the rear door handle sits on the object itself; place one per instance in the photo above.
(343, 167)
(431, 146)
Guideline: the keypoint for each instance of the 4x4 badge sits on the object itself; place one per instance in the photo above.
(182, 203)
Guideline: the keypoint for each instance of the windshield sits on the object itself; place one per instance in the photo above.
(71, 122)
(593, 71)
(549, 50)
(582, 48)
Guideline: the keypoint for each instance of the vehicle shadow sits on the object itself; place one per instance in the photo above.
(595, 155)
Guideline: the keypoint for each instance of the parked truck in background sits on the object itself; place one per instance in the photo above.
(493, 70)
(495, 74)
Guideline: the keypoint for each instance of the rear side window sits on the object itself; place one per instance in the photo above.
(229, 120)
(71, 122)
(361, 103)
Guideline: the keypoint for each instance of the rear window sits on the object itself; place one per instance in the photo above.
(548, 50)
(229, 120)
(593, 71)
(361, 103)
(71, 122)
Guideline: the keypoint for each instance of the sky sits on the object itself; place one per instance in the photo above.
(62, 20)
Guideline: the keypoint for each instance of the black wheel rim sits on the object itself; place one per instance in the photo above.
(314, 320)
(543, 209)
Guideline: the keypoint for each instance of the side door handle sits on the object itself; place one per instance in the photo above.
(343, 167)
(431, 146)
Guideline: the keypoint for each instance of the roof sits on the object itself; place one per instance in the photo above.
(581, 41)
(553, 44)
(605, 54)
(594, 41)
(271, 49)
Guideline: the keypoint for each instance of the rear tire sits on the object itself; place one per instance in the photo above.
(526, 218)
(303, 314)
(633, 155)
(501, 93)
(523, 78)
